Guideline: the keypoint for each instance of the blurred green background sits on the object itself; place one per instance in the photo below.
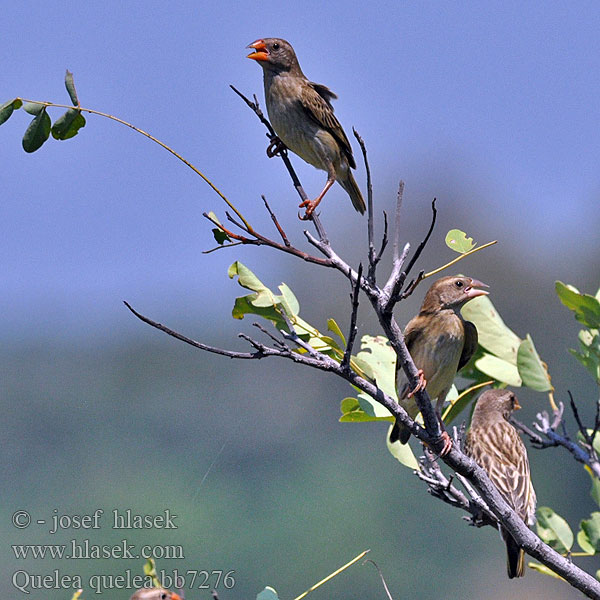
(492, 109)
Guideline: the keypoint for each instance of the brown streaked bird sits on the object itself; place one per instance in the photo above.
(494, 444)
(440, 343)
(154, 594)
(302, 117)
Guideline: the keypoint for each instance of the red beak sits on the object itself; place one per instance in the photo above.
(472, 292)
(260, 50)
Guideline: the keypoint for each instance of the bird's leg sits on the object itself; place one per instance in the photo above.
(312, 204)
(420, 385)
(275, 147)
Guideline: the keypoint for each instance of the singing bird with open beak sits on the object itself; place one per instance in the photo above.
(494, 444)
(441, 343)
(302, 117)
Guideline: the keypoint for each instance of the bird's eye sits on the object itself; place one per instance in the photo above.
(275, 46)
(459, 284)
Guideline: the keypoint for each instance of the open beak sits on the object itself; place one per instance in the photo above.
(472, 291)
(516, 406)
(260, 50)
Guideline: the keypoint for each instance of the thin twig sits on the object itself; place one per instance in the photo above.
(345, 364)
(186, 162)
(370, 213)
(422, 245)
(385, 587)
(458, 258)
(277, 225)
(397, 220)
(261, 240)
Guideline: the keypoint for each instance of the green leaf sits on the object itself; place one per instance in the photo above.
(379, 359)
(493, 334)
(68, 124)
(531, 369)
(70, 85)
(358, 410)
(264, 297)
(584, 542)
(37, 132)
(268, 594)
(458, 402)
(458, 241)
(595, 490)
(589, 356)
(554, 530)
(289, 300)
(585, 306)
(220, 236)
(591, 530)
(335, 328)
(401, 452)
(150, 571)
(7, 109)
(544, 569)
(498, 369)
(33, 108)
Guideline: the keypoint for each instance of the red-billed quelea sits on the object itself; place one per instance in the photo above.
(302, 117)
(440, 343)
(495, 445)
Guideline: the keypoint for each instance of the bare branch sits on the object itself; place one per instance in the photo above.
(370, 213)
(277, 225)
(191, 342)
(261, 240)
(582, 452)
(345, 364)
(422, 245)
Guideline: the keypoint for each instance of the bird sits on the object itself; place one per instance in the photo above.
(154, 594)
(440, 343)
(494, 444)
(302, 116)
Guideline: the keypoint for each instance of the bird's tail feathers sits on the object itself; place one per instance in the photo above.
(350, 185)
(399, 433)
(515, 557)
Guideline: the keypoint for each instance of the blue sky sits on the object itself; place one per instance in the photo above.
(492, 107)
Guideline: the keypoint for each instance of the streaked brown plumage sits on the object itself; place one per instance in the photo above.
(440, 342)
(495, 445)
(154, 594)
(302, 116)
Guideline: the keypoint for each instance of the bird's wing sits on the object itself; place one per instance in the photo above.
(470, 344)
(316, 101)
(500, 451)
(413, 332)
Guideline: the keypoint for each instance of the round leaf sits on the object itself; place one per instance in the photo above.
(401, 452)
(493, 334)
(531, 369)
(498, 369)
(37, 132)
(591, 529)
(458, 241)
(554, 530)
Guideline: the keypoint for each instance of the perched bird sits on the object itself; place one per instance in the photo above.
(302, 117)
(494, 444)
(154, 594)
(440, 342)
